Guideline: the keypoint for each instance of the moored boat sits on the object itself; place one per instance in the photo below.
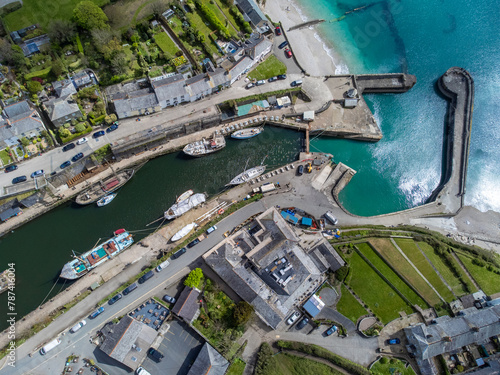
(82, 264)
(183, 232)
(104, 187)
(247, 133)
(248, 175)
(205, 146)
(184, 206)
(106, 200)
(185, 195)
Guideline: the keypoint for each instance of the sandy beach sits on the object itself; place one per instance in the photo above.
(307, 46)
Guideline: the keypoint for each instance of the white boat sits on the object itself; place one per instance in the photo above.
(185, 195)
(205, 146)
(106, 200)
(184, 206)
(183, 232)
(247, 133)
(248, 175)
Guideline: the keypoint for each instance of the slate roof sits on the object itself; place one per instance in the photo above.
(64, 88)
(450, 334)
(8, 213)
(125, 103)
(122, 341)
(19, 122)
(186, 306)
(16, 109)
(219, 77)
(58, 108)
(81, 78)
(240, 66)
(209, 362)
(31, 200)
(169, 88)
(252, 12)
(198, 84)
(325, 256)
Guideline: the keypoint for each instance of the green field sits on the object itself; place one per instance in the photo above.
(166, 44)
(487, 280)
(227, 13)
(42, 12)
(374, 291)
(4, 155)
(415, 255)
(400, 284)
(287, 364)
(236, 368)
(198, 23)
(349, 306)
(446, 272)
(215, 9)
(396, 260)
(392, 366)
(269, 68)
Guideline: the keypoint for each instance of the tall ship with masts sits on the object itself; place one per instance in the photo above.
(248, 174)
(183, 206)
(206, 146)
(104, 187)
(82, 264)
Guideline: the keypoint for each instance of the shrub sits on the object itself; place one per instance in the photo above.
(212, 18)
(242, 312)
(194, 278)
(80, 127)
(384, 360)
(263, 357)
(342, 273)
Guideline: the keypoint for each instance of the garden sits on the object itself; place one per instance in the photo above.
(269, 68)
(391, 366)
(349, 306)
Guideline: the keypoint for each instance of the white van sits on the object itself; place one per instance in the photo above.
(142, 371)
(163, 265)
(332, 218)
(77, 326)
(51, 345)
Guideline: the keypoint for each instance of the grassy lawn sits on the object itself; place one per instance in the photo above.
(349, 306)
(400, 284)
(236, 368)
(225, 10)
(287, 364)
(392, 366)
(42, 12)
(487, 280)
(269, 68)
(198, 23)
(166, 44)
(232, 31)
(377, 294)
(4, 155)
(123, 13)
(413, 253)
(394, 257)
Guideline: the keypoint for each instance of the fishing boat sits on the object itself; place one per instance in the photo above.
(247, 133)
(183, 232)
(205, 146)
(84, 263)
(180, 208)
(106, 200)
(185, 196)
(104, 187)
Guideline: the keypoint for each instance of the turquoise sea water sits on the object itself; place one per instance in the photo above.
(423, 38)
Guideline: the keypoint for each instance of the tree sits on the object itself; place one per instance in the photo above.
(80, 127)
(25, 141)
(194, 278)
(110, 119)
(158, 7)
(34, 87)
(61, 31)
(242, 312)
(119, 63)
(58, 68)
(89, 16)
(64, 133)
(341, 273)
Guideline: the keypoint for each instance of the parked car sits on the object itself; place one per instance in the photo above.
(168, 299)
(65, 164)
(278, 30)
(10, 168)
(162, 266)
(288, 53)
(302, 323)
(300, 170)
(178, 253)
(130, 288)
(96, 313)
(296, 83)
(112, 128)
(38, 173)
(281, 76)
(98, 134)
(115, 299)
(68, 147)
(272, 79)
(155, 355)
(283, 45)
(19, 179)
(293, 318)
(394, 341)
(211, 229)
(142, 371)
(81, 141)
(77, 326)
(193, 242)
(145, 277)
(250, 85)
(331, 330)
(77, 157)
(260, 83)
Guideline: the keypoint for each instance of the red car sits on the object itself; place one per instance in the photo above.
(288, 53)
(278, 30)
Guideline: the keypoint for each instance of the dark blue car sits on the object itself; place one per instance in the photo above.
(19, 179)
(77, 157)
(65, 164)
(112, 128)
(10, 168)
(115, 299)
(98, 134)
(283, 45)
(96, 313)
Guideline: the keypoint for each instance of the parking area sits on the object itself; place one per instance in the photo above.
(180, 348)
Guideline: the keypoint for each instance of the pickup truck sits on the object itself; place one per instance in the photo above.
(96, 313)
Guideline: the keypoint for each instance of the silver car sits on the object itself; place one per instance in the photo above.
(293, 318)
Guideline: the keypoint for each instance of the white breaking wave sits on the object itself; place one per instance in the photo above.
(486, 196)
(340, 66)
(417, 187)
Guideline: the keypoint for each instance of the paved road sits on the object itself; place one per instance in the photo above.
(330, 314)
